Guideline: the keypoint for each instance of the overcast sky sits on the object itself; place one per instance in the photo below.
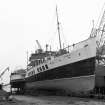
(22, 22)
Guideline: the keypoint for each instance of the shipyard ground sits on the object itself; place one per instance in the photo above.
(52, 100)
(13, 102)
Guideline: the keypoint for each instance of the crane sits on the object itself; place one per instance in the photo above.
(3, 72)
(38, 44)
(40, 48)
(100, 34)
(101, 31)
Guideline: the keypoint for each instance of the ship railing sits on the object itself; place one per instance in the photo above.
(76, 46)
(69, 48)
(72, 47)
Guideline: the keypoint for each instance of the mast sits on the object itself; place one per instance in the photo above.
(27, 60)
(58, 28)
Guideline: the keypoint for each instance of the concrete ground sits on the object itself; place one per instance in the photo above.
(57, 100)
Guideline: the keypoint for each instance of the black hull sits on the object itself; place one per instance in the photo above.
(81, 68)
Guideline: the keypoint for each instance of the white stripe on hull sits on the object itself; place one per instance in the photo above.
(75, 84)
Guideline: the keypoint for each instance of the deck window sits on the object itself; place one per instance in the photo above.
(40, 68)
(46, 66)
(43, 67)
